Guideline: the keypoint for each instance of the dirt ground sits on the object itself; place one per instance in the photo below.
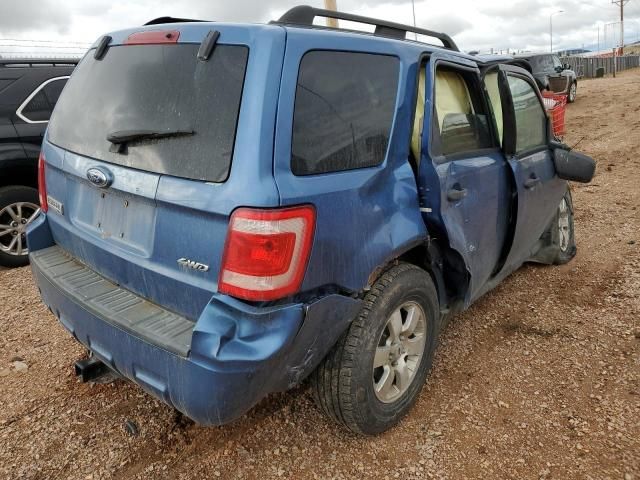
(540, 379)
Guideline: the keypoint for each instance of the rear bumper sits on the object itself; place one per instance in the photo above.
(237, 354)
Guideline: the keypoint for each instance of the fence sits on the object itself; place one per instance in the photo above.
(587, 66)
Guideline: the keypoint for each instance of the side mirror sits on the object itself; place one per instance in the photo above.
(574, 166)
(566, 66)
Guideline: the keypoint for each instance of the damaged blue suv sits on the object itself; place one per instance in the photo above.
(232, 209)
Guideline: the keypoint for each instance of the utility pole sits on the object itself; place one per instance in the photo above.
(413, 7)
(621, 4)
(551, 28)
(331, 5)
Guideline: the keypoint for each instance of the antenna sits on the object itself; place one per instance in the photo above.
(413, 6)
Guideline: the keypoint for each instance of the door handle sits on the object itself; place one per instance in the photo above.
(531, 182)
(456, 194)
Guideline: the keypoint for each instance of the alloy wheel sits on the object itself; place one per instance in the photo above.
(563, 225)
(14, 219)
(399, 352)
(572, 92)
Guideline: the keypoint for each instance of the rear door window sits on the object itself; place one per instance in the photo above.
(192, 105)
(344, 109)
(40, 104)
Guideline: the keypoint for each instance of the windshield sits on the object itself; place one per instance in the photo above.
(162, 89)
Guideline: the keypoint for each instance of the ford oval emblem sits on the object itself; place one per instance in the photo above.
(100, 177)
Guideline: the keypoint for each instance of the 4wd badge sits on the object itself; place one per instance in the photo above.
(185, 262)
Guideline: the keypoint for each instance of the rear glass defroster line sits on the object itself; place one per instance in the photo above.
(208, 44)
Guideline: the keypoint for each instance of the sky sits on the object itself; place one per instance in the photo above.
(69, 25)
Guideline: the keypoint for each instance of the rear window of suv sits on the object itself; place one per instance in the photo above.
(544, 63)
(155, 88)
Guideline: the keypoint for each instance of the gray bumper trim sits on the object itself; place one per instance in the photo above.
(114, 304)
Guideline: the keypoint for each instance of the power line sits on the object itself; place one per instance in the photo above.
(43, 41)
(39, 46)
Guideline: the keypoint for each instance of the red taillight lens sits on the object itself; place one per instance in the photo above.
(266, 253)
(260, 255)
(42, 186)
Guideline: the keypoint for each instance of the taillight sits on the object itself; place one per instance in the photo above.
(42, 186)
(153, 37)
(266, 253)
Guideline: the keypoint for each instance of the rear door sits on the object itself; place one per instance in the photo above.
(150, 149)
(526, 131)
(473, 201)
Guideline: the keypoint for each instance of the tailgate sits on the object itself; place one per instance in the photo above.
(150, 150)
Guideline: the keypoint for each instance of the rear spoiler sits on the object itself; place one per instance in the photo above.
(163, 20)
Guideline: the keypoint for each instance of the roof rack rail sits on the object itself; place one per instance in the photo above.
(162, 20)
(38, 61)
(304, 15)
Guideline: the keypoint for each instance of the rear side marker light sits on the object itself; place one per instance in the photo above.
(266, 252)
(153, 37)
(42, 185)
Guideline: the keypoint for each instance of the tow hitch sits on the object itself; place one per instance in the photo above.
(91, 369)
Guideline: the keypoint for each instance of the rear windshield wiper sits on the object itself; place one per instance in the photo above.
(119, 140)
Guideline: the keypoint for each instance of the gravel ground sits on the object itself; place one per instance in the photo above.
(540, 379)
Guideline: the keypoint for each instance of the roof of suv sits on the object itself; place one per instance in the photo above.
(531, 55)
(38, 62)
(304, 16)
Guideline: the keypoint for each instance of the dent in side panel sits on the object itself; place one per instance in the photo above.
(363, 215)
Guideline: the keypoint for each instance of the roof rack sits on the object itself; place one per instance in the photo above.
(162, 20)
(38, 61)
(304, 15)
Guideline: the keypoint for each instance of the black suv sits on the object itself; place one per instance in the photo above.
(551, 74)
(29, 89)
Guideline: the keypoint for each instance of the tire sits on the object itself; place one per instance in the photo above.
(562, 231)
(572, 92)
(18, 207)
(343, 384)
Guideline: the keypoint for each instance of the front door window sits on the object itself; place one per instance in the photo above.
(531, 119)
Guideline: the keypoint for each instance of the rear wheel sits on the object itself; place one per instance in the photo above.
(18, 208)
(573, 92)
(375, 373)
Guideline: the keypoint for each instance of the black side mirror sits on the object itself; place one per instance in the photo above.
(574, 166)
(566, 66)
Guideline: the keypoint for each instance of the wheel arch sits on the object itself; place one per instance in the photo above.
(18, 171)
(445, 266)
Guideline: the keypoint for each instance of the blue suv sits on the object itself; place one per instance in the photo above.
(231, 209)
